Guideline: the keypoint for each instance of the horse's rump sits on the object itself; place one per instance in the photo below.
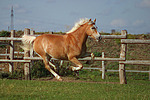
(53, 45)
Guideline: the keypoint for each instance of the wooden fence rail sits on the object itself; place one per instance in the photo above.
(107, 70)
(28, 56)
(81, 59)
(113, 36)
(136, 62)
(10, 39)
(133, 41)
(12, 61)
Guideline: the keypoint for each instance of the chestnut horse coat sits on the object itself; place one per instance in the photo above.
(70, 46)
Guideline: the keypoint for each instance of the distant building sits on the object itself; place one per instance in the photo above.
(113, 31)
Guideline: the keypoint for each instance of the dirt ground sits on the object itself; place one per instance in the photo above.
(72, 79)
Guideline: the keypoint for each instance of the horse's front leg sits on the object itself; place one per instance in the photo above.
(87, 54)
(92, 57)
(78, 66)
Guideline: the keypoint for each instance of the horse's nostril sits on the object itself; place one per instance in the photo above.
(100, 38)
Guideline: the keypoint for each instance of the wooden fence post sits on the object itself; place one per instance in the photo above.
(149, 73)
(6, 57)
(32, 32)
(27, 54)
(11, 56)
(103, 67)
(122, 73)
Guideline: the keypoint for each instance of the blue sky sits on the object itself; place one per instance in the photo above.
(60, 15)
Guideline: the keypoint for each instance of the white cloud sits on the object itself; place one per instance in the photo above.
(17, 8)
(118, 23)
(51, 1)
(20, 22)
(106, 12)
(138, 23)
(6, 23)
(145, 3)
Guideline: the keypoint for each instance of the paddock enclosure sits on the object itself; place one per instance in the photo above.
(29, 56)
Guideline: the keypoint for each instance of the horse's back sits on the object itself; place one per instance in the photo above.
(54, 45)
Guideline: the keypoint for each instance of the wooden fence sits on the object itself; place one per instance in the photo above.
(28, 56)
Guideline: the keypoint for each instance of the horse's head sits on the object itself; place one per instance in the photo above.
(92, 30)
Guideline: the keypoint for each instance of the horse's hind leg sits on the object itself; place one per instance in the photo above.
(46, 62)
(53, 65)
(48, 59)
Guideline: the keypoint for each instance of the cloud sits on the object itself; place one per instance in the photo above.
(118, 23)
(20, 22)
(51, 1)
(105, 12)
(145, 3)
(74, 13)
(7, 23)
(19, 9)
(138, 23)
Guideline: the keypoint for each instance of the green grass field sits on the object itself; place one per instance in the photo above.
(94, 89)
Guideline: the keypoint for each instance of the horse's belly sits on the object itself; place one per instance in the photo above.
(58, 54)
(61, 57)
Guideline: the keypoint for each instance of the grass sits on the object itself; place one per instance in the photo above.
(96, 90)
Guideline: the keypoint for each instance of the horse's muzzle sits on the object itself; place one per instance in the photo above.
(99, 38)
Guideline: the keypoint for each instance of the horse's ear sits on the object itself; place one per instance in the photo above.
(89, 20)
(94, 20)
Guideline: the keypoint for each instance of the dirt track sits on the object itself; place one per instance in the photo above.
(74, 80)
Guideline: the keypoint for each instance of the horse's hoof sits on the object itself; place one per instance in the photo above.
(73, 68)
(59, 78)
(92, 55)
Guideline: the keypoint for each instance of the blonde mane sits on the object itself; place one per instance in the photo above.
(78, 24)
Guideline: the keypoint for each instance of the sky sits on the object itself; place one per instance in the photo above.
(61, 15)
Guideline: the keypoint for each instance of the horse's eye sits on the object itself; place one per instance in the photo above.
(93, 28)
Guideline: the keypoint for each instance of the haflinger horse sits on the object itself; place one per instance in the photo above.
(70, 46)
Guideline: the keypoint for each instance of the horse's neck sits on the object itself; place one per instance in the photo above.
(80, 35)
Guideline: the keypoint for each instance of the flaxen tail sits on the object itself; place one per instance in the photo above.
(27, 41)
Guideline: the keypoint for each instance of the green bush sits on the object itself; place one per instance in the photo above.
(4, 34)
(130, 36)
(38, 70)
(17, 74)
(4, 75)
(118, 41)
(97, 54)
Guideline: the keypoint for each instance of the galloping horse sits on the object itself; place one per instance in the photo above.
(70, 46)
